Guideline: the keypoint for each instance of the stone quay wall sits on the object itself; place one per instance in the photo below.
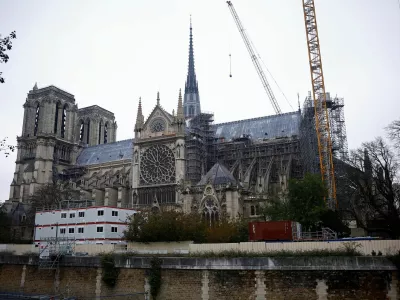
(208, 278)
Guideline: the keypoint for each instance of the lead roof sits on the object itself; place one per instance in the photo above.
(270, 127)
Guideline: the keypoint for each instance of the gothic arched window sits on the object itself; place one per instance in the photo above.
(81, 131)
(191, 110)
(252, 210)
(88, 132)
(56, 118)
(35, 131)
(211, 211)
(63, 121)
(105, 133)
(100, 125)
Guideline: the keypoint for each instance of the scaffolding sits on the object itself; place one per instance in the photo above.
(52, 249)
(250, 160)
(68, 204)
(72, 173)
(309, 143)
(199, 146)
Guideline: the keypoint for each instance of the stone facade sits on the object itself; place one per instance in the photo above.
(95, 126)
(158, 164)
(179, 160)
(54, 132)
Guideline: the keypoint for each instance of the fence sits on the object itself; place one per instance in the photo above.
(366, 247)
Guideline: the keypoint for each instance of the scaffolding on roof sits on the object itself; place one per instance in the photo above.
(68, 204)
(199, 146)
(308, 138)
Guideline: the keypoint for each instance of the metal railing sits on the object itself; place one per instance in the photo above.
(324, 234)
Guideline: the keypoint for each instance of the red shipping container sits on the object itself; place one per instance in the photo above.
(273, 231)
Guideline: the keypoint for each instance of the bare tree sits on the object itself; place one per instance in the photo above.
(6, 148)
(5, 45)
(393, 131)
(49, 196)
(372, 178)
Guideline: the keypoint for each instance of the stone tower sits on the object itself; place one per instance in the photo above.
(46, 145)
(95, 126)
(158, 163)
(191, 103)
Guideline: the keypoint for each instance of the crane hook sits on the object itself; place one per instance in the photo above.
(230, 65)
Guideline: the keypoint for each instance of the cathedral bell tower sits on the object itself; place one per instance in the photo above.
(46, 144)
(158, 163)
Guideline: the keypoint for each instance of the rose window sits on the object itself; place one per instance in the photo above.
(157, 165)
(157, 125)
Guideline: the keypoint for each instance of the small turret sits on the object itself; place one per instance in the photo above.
(179, 112)
(179, 119)
(139, 120)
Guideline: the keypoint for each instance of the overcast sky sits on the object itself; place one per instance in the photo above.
(110, 53)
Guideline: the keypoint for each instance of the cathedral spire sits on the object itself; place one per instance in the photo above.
(158, 98)
(191, 82)
(191, 98)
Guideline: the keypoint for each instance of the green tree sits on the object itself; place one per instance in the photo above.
(5, 222)
(277, 209)
(5, 45)
(304, 203)
(306, 198)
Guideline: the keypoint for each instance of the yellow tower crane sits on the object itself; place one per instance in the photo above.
(320, 105)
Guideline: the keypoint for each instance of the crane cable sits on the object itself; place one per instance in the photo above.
(265, 66)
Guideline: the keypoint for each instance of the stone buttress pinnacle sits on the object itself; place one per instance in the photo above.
(139, 117)
(179, 112)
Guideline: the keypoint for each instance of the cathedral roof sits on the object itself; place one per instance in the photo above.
(217, 175)
(265, 127)
(269, 127)
(106, 153)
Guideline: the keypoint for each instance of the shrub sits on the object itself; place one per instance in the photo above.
(280, 253)
(110, 272)
(351, 248)
(168, 226)
(155, 276)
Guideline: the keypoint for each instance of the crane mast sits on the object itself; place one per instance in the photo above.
(320, 104)
(254, 58)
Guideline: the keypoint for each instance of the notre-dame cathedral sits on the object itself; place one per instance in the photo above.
(177, 158)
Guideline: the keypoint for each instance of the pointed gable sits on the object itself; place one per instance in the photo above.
(159, 123)
(217, 175)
